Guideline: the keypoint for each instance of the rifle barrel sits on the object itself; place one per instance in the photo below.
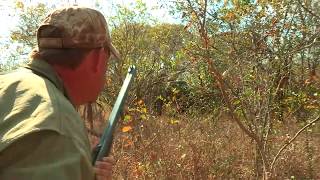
(104, 146)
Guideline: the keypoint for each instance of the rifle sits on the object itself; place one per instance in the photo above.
(104, 145)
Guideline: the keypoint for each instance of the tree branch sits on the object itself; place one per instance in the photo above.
(290, 141)
(308, 10)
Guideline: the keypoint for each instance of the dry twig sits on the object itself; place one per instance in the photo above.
(291, 140)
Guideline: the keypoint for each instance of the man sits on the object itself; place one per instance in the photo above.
(42, 135)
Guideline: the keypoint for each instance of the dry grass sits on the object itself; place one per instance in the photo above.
(207, 148)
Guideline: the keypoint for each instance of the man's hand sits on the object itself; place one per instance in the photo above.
(103, 169)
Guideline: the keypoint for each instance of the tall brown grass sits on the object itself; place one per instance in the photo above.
(208, 147)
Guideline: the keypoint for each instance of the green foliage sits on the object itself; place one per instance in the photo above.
(255, 60)
(23, 36)
(30, 18)
(257, 53)
(156, 49)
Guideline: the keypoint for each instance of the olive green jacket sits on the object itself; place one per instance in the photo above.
(41, 134)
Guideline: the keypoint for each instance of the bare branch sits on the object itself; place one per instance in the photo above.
(291, 140)
(308, 10)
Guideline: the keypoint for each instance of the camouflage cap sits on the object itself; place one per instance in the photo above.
(80, 27)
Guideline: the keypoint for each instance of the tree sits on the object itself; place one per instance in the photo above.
(23, 37)
(253, 54)
(156, 50)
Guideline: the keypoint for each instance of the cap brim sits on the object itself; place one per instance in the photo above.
(114, 51)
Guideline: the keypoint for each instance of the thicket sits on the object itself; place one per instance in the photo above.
(231, 91)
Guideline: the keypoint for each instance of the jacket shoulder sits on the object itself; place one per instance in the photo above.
(30, 103)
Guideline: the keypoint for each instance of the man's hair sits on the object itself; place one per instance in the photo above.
(67, 57)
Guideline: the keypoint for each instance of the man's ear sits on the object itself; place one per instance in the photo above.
(101, 59)
(93, 60)
(96, 60)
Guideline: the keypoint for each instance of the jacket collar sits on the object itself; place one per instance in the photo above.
(45, 70)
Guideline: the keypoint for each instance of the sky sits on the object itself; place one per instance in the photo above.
(9, 19)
